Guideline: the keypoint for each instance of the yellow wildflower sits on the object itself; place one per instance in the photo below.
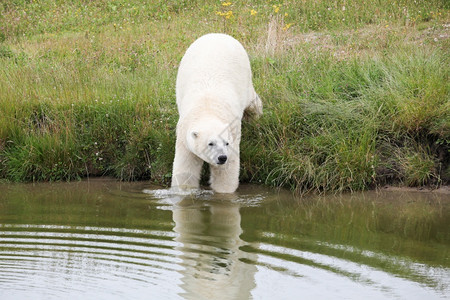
(253, 12)
(286, 27)
(226, 3)
(227, 14)
(276, 8)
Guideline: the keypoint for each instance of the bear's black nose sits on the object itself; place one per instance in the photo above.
(222, 159)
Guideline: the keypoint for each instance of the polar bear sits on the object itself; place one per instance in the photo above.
(213, 90)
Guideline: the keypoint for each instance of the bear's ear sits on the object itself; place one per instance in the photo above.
(194, 134)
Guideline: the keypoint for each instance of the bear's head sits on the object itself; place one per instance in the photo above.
(211, 142)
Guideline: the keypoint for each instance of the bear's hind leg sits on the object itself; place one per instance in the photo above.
(255, 108)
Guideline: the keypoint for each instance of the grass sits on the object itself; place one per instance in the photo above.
(356, 94)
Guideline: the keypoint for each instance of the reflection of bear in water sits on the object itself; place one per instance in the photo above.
(209, 232)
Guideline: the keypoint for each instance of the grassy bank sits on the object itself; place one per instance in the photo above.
(356, 93)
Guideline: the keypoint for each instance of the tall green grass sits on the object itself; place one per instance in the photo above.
(355, 93)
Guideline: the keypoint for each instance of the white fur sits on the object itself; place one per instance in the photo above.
(214, 87)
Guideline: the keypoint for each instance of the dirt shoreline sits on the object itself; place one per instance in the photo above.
(445, 189)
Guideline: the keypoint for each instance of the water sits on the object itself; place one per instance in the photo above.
(108, 240)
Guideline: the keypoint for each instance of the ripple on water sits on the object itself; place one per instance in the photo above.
(105, 262)
(340, 268)
(172, 197)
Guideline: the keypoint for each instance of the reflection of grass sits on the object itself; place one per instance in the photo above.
(392, 223)
(353, 93)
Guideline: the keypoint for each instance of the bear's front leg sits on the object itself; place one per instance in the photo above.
(186, 169)
(225, 178)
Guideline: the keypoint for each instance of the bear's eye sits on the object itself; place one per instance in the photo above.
(226, 144)
(211, 144)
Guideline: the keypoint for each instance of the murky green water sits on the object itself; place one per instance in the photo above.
(108, 240)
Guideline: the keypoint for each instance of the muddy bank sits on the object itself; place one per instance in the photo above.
(440, 190)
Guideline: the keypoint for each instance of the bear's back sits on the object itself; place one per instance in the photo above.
(214, 64)
(214, 52)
